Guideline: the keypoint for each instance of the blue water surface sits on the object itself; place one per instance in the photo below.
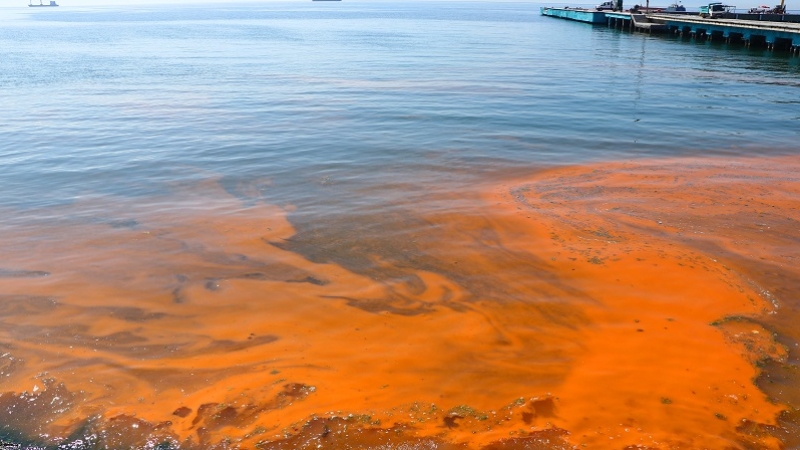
(130, 100)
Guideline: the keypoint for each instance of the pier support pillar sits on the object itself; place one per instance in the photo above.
(780, 43)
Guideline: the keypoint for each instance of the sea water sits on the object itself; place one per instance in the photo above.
(264, 223)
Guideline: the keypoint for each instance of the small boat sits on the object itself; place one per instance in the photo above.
(675, 7)
(41, 4)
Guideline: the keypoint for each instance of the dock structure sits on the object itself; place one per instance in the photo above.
(642, 22)
(578, 14)
(774, 35)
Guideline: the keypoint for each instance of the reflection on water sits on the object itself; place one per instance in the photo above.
(610, 305)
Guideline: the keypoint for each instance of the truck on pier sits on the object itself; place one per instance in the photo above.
(611, 5)
(715, 9)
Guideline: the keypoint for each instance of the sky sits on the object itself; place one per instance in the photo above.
(13, 4)
(68, 3)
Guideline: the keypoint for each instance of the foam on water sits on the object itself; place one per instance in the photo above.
(416, 225)
(609, 300)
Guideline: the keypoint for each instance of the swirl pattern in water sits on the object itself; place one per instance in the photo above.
(626, 301)
(417, 225)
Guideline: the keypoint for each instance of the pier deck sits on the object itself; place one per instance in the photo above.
(773, 35)
(577, 14)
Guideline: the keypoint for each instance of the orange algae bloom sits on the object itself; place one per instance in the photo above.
(622, 305)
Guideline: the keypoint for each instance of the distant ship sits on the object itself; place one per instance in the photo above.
(52, 3)
(326, 0)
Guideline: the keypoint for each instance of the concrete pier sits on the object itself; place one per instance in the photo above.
(577, 14)
(774, 35)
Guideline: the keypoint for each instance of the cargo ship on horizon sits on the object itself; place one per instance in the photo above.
(41, 4)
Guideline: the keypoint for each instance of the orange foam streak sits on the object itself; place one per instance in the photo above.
(580, 298)
(655, 371)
